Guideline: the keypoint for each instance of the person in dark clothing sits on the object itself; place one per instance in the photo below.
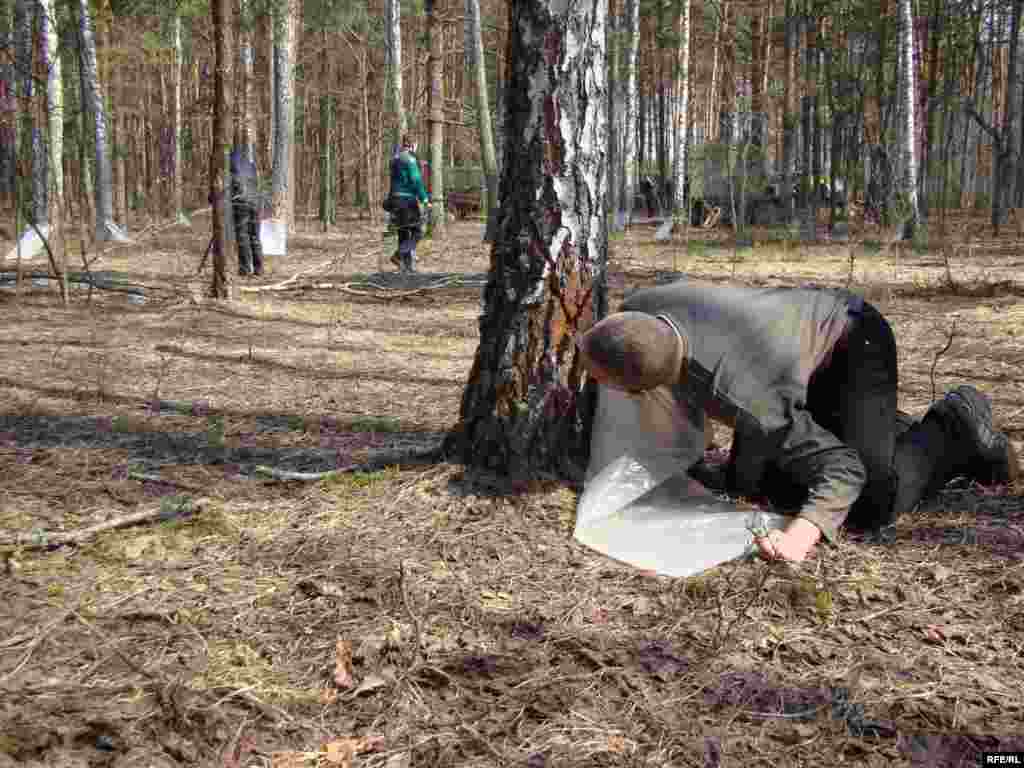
(407, 193)
(807, 379)
(245, 207)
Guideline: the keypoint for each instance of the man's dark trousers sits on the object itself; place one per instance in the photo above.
(408, 223)
(247, 233)
(854, 396)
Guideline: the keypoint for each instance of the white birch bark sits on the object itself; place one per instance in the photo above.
(524, 406)
(55, 121)
(393, 29)
(92, 97)
(478, 67)
(682, 113)
(285, 32)
(908, 182)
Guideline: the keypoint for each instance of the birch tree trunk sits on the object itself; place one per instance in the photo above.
(396, 101)
(246, 127)
(92, 97)
(632, 19)
(525, 407)
(908, 80)
(475, 55)
(55, 121)
(682, 153)
(435, 66)
(286, 19)
(222, 114)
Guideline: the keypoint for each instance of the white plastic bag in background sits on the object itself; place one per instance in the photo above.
(640, 507)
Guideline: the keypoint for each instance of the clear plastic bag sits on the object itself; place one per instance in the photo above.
(640, 507)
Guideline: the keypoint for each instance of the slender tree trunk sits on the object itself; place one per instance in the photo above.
(366, 170)
(789, 110)
(908, 79)
(222, 112)
(929, 171)
(55, 120)
(177, 192)
(631, 15)
(286, 18)
(118, 133)
(435, 66)
(682, 153)
(523, 407)
(92, 97)
(328, 159)
(393, 27)
(613, 118)
(475, 55)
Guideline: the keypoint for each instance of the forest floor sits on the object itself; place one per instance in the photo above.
(424, 616)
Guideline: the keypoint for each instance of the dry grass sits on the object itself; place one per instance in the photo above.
(480, 633)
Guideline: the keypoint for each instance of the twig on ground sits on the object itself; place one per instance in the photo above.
(45, 540)
(147, 478)
(376, 462)
(407, 601)
(285, 284)
(940, 353)
(475, 735)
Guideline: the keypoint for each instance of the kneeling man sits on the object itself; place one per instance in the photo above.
(806, 377)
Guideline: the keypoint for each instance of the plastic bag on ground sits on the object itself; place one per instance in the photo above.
(640, 507)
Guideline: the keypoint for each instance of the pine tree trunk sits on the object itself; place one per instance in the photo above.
(222, 113)
(613, 118)
(631, 16)
(177, 191)
(285, 32)
(118, 134)
(789, 115)
(328, 159)
(908, 80)
(682, 165)
(435, 66)
(475, 55)
(524, 407)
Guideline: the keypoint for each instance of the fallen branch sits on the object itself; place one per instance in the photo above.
(940, 353)
(286, 284)
(84, 278)
(387, 294)
(375, 463)
(52, 540)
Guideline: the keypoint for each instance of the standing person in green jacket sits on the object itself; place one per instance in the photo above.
(407, 193)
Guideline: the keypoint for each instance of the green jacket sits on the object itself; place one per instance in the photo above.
(405, 177)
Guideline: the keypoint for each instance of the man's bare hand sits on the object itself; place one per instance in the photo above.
(793, 544)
